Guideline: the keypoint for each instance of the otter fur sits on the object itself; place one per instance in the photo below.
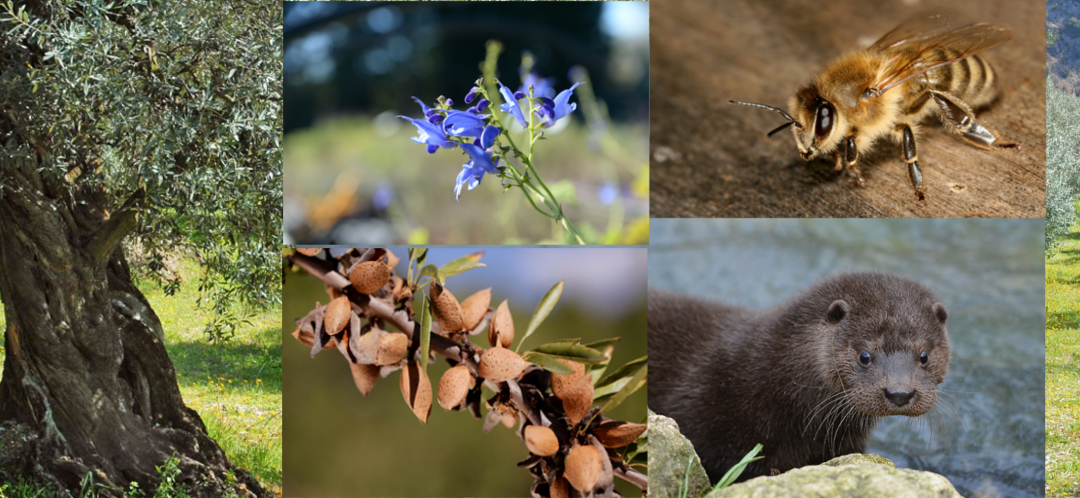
(808, 379)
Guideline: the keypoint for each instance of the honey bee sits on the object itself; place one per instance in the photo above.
(925, 66)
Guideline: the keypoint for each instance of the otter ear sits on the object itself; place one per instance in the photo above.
(837, 311)
(939, 311)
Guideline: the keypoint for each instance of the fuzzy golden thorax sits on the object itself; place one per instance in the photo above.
(836, 104)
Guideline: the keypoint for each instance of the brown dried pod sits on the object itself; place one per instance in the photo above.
(510, 419)
(616, 433)
(560, 488)
(578, 399)
(391, 260)
(454, 386)
(416, 388)
(370, 276)
(304, 336)
(474, 307)
(541, 440)
(337, 315)
(364, 376)
(391, 349)
(309, 251)
(560, 383)
(583, 467)
(502, 327)
(500, 364)
(446, 309)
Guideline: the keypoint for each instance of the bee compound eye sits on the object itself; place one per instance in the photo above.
(826, 116)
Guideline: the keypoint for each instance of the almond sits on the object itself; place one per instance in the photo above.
(309, 251)
(578, 399)
(454, 386)
(474, 307)
(416, 388)
(364, 376)
(560, 383)
(337, 315)
(446, 309)
(541, 440)
(583, 467)
(616, 434)
(391, 349)
(502, 327)
(510, 419)
(369, 276)
(500, 364)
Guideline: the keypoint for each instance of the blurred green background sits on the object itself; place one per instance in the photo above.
(352, 174)
(339, 443)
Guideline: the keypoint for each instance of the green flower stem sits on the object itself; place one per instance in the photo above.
(522, 181)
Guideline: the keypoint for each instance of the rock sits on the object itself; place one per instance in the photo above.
(849, 475)
(669, 454)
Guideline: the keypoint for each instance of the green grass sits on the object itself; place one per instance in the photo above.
(235, 387)
(1063, 368)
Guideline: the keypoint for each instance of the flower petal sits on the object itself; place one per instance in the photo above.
(429, 134)
(480, 158)
(562, 105)
(487, 138)
(511, 105)
(422, 105)
(463, 124)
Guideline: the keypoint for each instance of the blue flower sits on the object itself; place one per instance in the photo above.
(423, 106)
(511, 105)
(463, 124)
(480, 161)
(554, 110)
(430, 134)
(608, 193)
(542, 87)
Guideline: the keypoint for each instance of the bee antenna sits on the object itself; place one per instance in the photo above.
(781, 127)
(791, 120)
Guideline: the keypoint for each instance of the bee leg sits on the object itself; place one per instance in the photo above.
(850, 158)
(960, 119)
(912, 160)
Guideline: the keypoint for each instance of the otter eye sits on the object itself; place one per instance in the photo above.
(864, 359)
(826, 115)
(924, 358)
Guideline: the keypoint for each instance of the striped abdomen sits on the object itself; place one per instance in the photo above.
(970, 79)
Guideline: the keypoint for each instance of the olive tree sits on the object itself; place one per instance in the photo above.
(128, 123)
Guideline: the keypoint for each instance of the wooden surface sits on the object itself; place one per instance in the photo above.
(712, 159)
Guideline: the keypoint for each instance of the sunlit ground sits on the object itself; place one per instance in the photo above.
(342, 166)
(235, 387)
(1063, 369)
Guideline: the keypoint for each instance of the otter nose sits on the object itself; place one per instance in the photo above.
(899, 398)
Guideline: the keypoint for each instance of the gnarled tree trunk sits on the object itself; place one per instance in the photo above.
(86, 367)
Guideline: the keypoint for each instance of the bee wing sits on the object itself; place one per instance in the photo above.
(916, 46)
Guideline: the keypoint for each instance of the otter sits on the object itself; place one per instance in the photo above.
(808, 379)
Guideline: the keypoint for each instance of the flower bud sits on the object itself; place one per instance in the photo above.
(483, 104)
(449, 103)
(519, 95)
(436, 119)
(471, 96)
(472, 110)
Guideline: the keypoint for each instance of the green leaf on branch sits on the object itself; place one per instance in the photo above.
(571, 351)
(547, 362)
(462, 265)
(601, 344)
(630, 368)
(543, 308)
(433, 272)
(425, 331)
(636, 382)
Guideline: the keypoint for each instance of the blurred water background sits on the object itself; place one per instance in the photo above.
(339, 443)
(986, 431)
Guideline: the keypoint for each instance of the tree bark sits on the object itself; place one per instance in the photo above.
(86, 370)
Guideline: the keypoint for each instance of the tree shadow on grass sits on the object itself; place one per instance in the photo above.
(259, 358)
